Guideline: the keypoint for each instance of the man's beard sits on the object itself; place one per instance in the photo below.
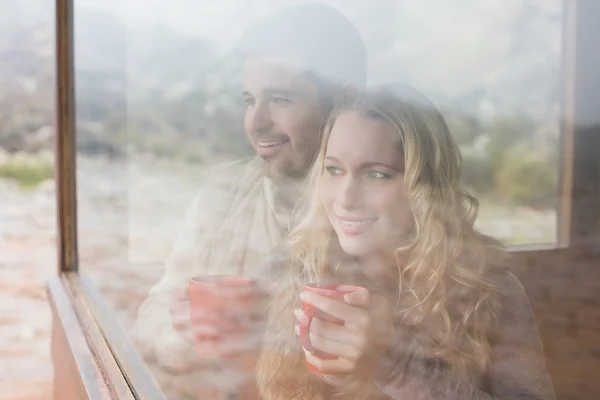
(290, 168)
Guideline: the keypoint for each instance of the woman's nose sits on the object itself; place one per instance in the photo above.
(350, 194)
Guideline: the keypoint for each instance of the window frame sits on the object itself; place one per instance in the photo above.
(102, 362)
(87, 325)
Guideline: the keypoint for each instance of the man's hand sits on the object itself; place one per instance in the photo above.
(180, 318)
(223, 333)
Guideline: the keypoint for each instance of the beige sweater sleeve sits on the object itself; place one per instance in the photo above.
(154, 334)
(518, 369)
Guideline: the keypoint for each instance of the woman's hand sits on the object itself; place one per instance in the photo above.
(368, 329)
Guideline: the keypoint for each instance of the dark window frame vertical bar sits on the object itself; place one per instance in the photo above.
(65, 144)
(584, 230)
(565, 176)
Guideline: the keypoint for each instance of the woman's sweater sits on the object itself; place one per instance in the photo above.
(518, 367)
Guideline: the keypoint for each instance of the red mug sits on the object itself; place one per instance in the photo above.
(222, 308)
(333, 291)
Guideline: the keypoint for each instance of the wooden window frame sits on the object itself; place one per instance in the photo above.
(92, 356)
(95, 357)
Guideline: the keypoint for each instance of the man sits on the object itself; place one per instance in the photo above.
(297, 65)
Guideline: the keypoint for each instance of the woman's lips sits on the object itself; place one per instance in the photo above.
(354, 226)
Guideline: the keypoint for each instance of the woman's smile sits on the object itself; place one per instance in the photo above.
(355, 226)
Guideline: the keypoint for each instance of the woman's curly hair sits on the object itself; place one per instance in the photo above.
(444, 290)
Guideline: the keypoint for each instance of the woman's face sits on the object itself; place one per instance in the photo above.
(362, 187)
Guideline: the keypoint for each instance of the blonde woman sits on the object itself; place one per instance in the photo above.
(441, 318)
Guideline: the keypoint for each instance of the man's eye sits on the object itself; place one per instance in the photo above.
(249, 101)
(333, 170)
(379, 175)
(280, 100)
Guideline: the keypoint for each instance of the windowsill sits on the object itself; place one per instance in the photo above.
(531, 247)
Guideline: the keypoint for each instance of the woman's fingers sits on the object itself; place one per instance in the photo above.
(367, 321)
(340, 365)
(328, 346)
(360, 298)
(343, 350)
(351, 315)
(337, 333)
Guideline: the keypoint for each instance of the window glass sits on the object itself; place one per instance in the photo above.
(175, 100)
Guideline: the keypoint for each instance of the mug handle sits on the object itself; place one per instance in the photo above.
(305, 329)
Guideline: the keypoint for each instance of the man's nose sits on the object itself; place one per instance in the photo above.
(350, 193)
(258, 118)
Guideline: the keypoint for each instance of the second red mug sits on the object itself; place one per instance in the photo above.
(221, 311)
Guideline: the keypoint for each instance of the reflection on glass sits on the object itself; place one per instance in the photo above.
(174, 103)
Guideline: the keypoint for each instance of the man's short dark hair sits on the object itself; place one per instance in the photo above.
(317, 34)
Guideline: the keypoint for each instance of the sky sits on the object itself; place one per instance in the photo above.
(466, 38)
(450, 47)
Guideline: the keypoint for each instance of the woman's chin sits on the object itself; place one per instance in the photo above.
(355, 248)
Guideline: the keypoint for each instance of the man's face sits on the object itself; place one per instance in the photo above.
(283, 115)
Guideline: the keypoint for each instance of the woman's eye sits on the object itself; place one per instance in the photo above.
(249, 101)
(333, 170)
(378, 175)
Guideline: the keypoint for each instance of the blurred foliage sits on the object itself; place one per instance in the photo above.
(504, 159)
(504, 134)
(140, 100)
(464, 128)
(527, 177)
(479, 174)
(26, 172)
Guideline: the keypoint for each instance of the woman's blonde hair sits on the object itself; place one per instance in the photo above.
(445, 295)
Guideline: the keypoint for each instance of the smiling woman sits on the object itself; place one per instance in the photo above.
(159, 186)
(384, 211)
